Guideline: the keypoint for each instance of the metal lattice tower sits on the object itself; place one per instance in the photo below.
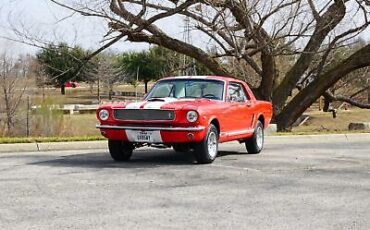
(189, 67)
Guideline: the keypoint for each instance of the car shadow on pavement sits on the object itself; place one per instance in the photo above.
(228, 153)
(140, 159)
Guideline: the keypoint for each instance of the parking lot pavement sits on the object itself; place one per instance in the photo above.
(295, 183)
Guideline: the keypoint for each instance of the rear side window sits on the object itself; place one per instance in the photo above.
(236, 93)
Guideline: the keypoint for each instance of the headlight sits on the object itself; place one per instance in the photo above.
(192, 116)
(103, 114)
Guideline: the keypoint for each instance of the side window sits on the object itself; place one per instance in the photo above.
(236, 93)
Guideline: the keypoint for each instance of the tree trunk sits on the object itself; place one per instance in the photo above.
(110, 94)
(368, 96)
(91, 85)
(326, 104)
(110, 86)
(62, 89)
(268, 75)
(9, 117)
(9, 120)
(146, 86)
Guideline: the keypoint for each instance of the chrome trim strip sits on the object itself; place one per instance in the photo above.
(189, 129)
(238, 132)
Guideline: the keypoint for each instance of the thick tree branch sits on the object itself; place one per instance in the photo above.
(180, 47)
(313, 91)
(349, 100)
(331, 18)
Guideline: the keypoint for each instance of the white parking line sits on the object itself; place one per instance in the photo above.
(235, 167)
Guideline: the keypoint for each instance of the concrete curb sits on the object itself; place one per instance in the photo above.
(53, 146)
(86, 145)
(321, 138)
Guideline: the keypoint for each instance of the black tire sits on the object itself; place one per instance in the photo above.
(203, 154)
(119, 150)
(254, 144)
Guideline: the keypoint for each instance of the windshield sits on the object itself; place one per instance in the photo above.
(188, 88)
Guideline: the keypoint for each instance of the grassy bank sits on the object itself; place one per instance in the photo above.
(320, 122)
(13, 140)
(322, 132)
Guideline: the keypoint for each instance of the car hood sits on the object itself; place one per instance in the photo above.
(170, 103)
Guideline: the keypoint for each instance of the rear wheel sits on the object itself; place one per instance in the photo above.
(254, 144)
(206, 151)
(120, 150)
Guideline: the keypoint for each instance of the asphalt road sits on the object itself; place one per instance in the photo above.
(296, 183)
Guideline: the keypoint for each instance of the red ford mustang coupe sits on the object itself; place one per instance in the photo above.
(191, 114)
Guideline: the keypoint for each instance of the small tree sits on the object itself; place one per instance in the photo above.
(177, 63)
(62, 63)
(104, 69)
(145, 65)
(12, 85)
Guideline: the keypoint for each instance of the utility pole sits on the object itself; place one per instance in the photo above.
(99, 72)
(99, 88)
(28, 116)
(189, 67)
(137, 82)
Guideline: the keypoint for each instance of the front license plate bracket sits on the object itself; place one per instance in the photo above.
(144, 136)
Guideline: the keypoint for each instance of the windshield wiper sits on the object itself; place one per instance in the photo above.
(186, 97)
(156, 99)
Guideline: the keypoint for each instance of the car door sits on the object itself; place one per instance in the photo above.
(240, 116)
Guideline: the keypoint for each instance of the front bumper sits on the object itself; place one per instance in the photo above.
(174, 129)
(168, 135)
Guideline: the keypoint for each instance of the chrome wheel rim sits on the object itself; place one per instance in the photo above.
(259, 137)
(212, 145)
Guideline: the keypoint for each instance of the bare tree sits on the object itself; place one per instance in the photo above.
(104, 71)
(252, 32)
(40, 77)
(13, 84)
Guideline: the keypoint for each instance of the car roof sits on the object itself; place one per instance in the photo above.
(221, 78)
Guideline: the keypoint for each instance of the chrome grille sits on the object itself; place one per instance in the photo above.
(144, 114)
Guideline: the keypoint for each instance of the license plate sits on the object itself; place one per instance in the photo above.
(144, 136)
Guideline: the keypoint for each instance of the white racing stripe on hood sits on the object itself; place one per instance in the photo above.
(135, 105)
(159, 104)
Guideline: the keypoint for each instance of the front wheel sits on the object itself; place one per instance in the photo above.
(206, 151)
(254, 144)
(119, 150)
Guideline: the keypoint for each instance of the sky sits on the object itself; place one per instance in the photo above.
(48, 22)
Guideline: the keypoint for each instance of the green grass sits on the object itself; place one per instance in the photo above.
(18, 140)
(14, 140)
(321, 122)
